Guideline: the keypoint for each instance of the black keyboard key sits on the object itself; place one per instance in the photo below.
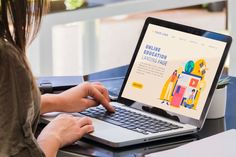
(141, 131)
(112, 122)
(152, 130)
(164, 129)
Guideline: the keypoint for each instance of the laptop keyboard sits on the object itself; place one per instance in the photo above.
(130, 120)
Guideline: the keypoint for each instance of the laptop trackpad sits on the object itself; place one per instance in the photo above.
(109, 132)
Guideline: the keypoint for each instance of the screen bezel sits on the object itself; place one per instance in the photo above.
(187, 29)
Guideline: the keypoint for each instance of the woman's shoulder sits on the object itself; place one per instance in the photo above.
(8, 54)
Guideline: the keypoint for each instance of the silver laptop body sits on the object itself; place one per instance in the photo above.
(174, 70)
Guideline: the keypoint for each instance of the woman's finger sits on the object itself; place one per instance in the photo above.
(84, 121)
(86, 129)
(89, 102)
(103, 90)
(96, 94)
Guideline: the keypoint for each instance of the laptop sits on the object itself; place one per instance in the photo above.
(168, 87)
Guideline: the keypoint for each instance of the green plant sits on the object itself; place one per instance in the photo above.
(73, 4)
(223, 82)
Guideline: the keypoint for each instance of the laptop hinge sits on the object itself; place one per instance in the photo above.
(160, 112)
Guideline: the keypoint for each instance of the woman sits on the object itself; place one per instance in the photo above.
(20, 102)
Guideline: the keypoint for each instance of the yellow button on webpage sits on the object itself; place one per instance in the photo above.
(137, 85)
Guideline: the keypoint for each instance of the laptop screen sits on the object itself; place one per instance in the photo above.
(174, 70)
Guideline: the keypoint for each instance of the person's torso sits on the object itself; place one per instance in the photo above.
(23, 98)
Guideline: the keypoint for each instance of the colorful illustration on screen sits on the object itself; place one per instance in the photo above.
(184, 86)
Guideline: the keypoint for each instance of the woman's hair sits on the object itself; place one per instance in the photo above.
(20, 21)
(19, 24)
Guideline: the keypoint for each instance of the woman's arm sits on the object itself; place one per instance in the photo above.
(49, 146)
(63, 130)
(76, 99)
(50, 103)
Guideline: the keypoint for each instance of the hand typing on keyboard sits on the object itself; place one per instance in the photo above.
(81, 97)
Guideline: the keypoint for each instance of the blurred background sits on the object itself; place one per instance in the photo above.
(98, 40)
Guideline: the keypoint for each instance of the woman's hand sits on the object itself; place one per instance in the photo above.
(77, 99)
(63, 130)
(84, 96)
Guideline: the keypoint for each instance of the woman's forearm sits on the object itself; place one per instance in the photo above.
(50, 103)
(49, 146)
